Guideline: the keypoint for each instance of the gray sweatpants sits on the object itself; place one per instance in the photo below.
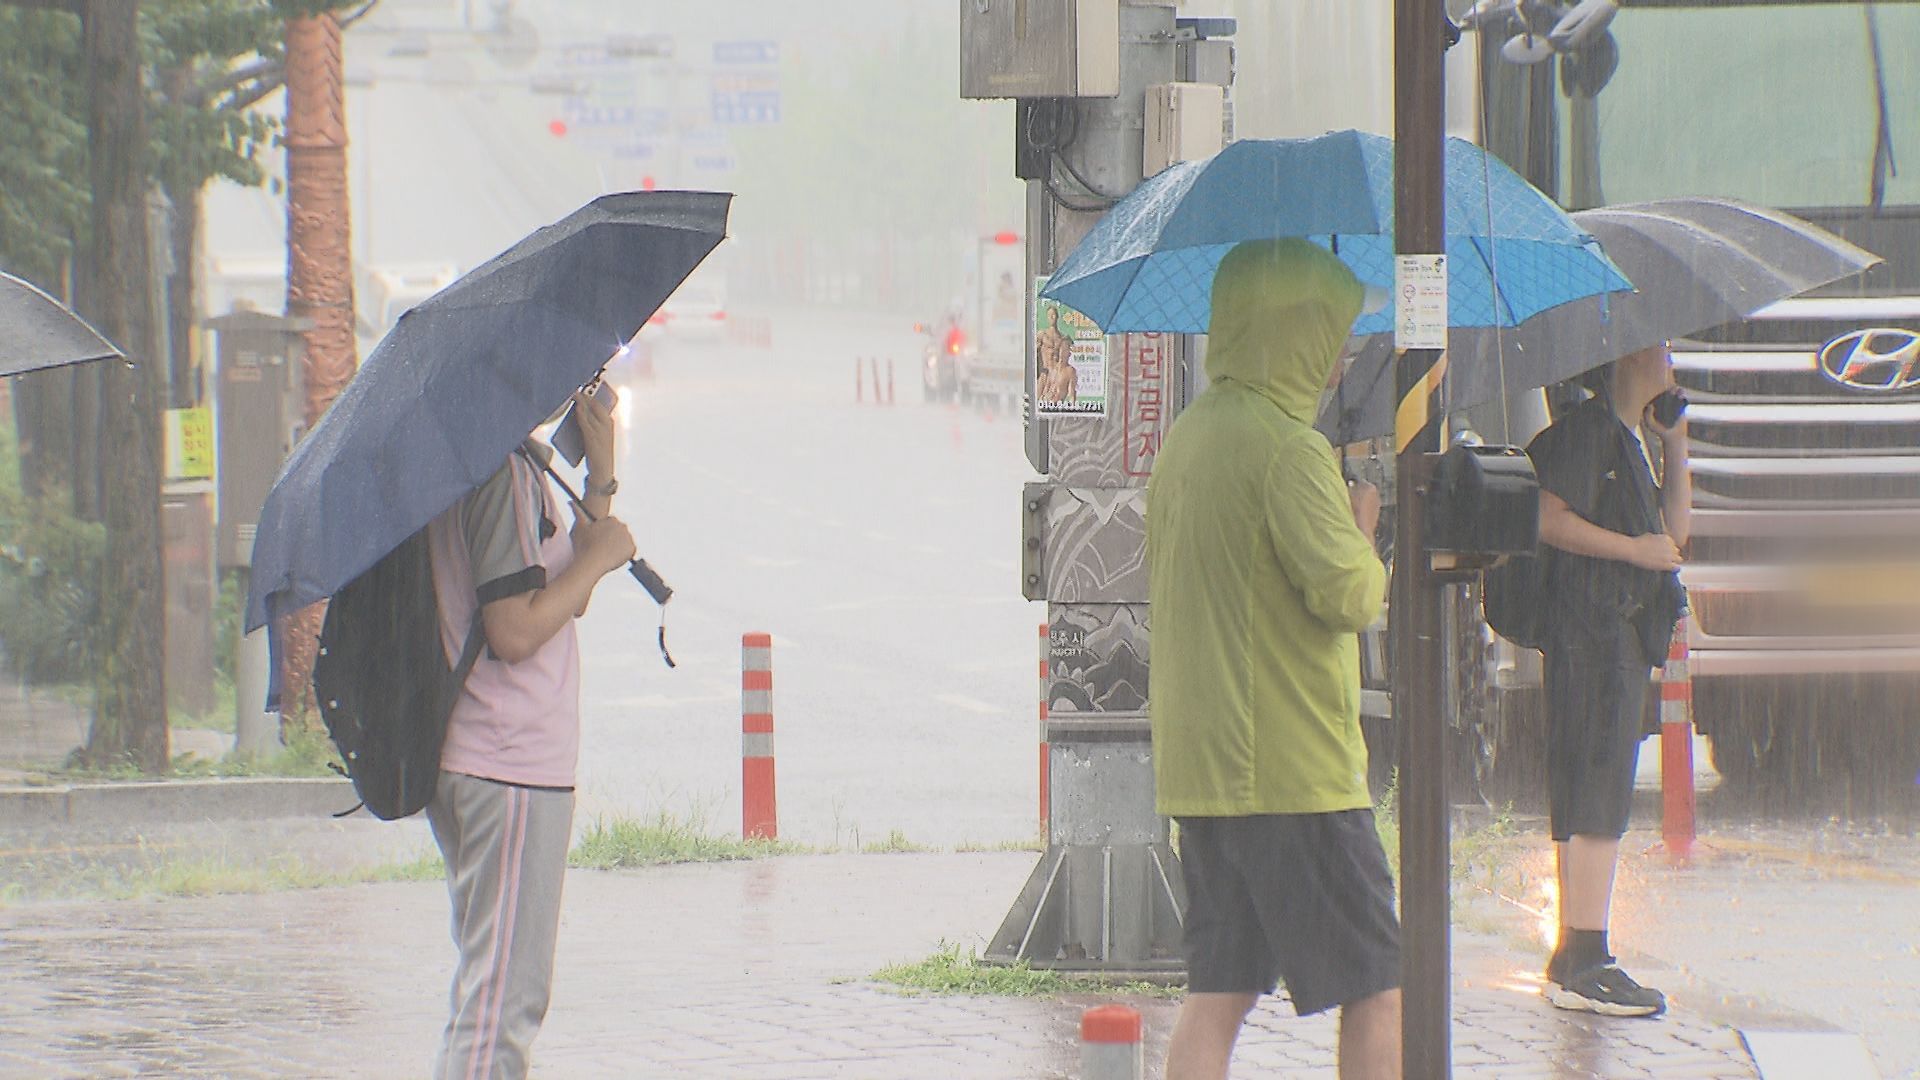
(506, 853)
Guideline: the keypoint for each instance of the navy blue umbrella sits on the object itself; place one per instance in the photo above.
(462, 379)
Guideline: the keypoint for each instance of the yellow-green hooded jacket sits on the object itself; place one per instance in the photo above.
(1260, 581)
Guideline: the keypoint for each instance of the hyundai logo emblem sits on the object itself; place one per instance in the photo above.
(1876, 359)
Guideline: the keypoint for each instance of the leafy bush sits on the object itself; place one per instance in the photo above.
(50, 571)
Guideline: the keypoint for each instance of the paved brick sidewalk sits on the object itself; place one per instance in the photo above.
(733, 970)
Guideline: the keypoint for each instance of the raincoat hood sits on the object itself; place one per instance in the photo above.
(1282, 310)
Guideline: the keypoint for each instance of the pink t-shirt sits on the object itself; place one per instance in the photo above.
(516, 723)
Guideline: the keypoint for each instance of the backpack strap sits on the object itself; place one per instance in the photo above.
(470, 654)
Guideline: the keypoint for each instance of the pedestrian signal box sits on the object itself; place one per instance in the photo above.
(1485, 502)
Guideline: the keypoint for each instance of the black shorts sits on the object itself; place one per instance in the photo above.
(1596, 699)
(1304, 898)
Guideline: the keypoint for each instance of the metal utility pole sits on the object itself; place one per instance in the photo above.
(1419, 121)
(1107, 894)
(319, 263)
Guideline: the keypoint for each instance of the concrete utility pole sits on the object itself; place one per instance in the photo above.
(1107, 895)
(1419, 123)
(319, 265)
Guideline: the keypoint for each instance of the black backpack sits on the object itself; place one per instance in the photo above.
(1513, 595)
(382, 680)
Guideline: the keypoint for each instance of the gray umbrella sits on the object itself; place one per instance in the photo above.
(1694, 263)
(37, 331)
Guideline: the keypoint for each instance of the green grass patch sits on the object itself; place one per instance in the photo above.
(1478, 856)
(307, 753)
(623, 843)
(896, 843)
(216, 876)
(220, 875)
(427, 866)
(950, 971)
(1386, 820)
(1484, 857)
(971, 848)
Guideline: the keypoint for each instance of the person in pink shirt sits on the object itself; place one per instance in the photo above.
(502, 812)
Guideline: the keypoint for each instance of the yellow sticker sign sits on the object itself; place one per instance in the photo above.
(189, 444)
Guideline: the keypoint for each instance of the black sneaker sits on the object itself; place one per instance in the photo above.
(1606, 990)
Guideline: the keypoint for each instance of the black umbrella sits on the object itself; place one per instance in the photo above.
(1694, 263)
(462, 379)
(37, 331)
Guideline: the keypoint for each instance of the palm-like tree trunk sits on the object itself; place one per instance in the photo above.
(319, 267)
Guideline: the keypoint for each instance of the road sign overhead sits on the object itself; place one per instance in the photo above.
(745, 83)
(749, 108)
(746, 52)
(642, 46)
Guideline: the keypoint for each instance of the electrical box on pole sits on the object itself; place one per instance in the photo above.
(1185, 122)
(1107, 894)
(1039, 48)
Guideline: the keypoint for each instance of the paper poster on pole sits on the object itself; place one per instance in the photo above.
(189, 444)
(1420, 302)
(1069, 360)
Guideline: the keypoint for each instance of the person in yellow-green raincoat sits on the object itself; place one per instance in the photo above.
(1263, 572)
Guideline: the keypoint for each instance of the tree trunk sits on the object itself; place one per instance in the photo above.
(319, 269)
(132, 720)
(183, 379)
(184, 189)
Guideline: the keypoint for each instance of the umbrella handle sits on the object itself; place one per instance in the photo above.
(651, 581)
(648, 578)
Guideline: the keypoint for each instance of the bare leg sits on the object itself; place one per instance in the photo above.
(1370, 1038)
(1586, 881)
(1560, 881)
(1203, 1037)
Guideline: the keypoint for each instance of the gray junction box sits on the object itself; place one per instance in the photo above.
(258, 416)
(1039, 48)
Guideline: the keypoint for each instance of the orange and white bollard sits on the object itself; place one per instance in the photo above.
(1676, 749)
(1110, 1044)
(875, 362)
(859, 382)
(759, 819)
(889, 379)
(1046, 748)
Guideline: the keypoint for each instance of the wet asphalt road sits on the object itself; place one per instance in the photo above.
(878, 545)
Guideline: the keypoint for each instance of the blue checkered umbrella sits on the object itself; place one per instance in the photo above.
(1149, 263)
